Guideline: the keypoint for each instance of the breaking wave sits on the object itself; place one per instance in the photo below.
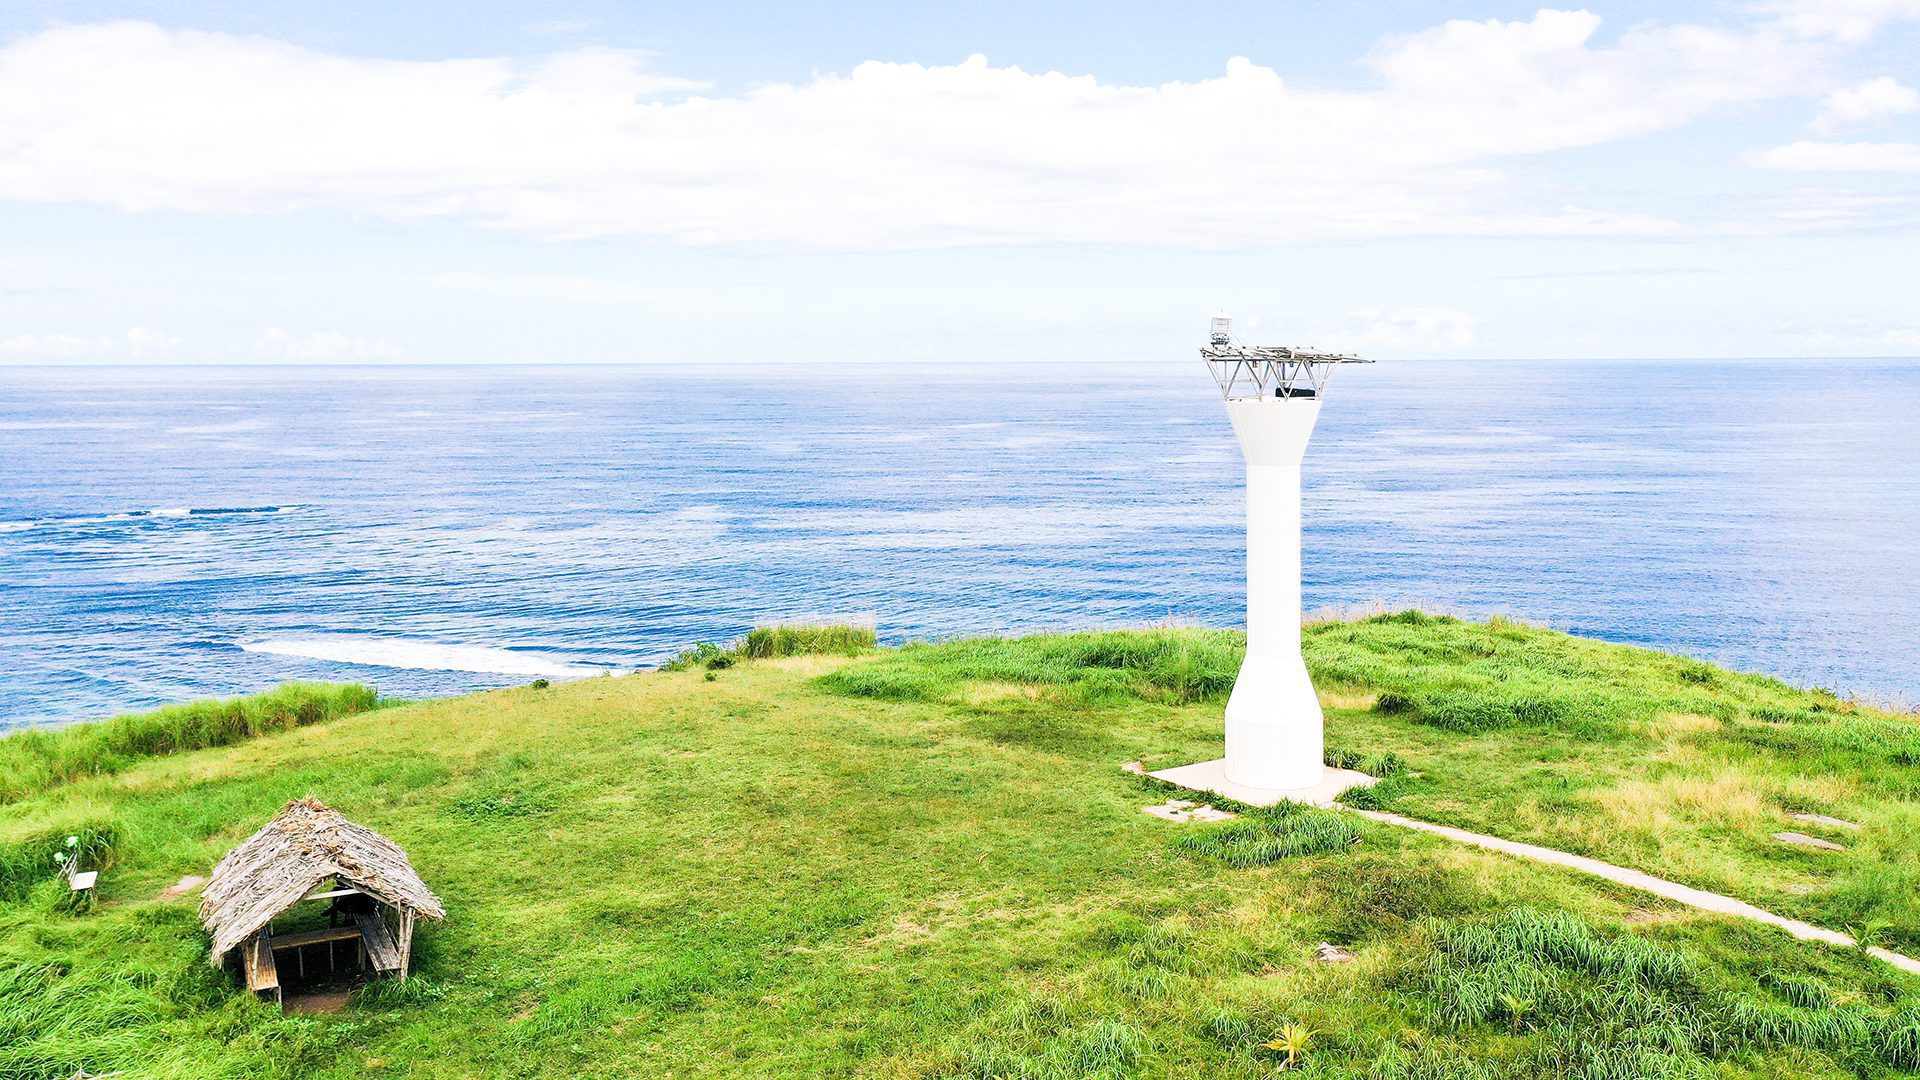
(138, 515)
(409, 653)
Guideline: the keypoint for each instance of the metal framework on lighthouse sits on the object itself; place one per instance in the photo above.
(1245, 371)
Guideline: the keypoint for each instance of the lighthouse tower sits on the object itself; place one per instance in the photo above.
(1274, 742)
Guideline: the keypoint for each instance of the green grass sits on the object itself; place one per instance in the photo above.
(774, 642)
(926, 862)
(1265, 836)
(35, 760)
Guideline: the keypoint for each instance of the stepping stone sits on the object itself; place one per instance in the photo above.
(1182, 810)
(1329, 953)
(1803, 840)
(1822, 819)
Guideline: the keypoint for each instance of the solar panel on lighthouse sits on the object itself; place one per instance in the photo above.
(1273, 395)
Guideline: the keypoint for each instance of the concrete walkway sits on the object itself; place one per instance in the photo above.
(1634, 879)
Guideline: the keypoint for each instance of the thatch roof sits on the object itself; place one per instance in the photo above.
(307, 844)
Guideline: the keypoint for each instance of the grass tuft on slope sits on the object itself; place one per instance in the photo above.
(31, 761)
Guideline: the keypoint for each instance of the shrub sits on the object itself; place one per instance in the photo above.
(701, 655)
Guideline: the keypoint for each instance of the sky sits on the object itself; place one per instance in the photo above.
(596, 182)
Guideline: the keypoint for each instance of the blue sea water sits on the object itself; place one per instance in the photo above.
(171, 533)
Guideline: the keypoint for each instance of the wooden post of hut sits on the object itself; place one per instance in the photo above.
(311, 853)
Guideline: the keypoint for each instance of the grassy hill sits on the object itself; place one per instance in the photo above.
(927, 862)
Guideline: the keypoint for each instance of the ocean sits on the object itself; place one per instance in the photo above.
(174, 533)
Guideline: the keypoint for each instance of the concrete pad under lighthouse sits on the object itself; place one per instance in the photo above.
(1212, 776)
(1275, 747)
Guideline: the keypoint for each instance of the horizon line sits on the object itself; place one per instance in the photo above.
(381, 364)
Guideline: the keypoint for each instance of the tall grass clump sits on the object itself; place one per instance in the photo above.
(701, 654)
(1899, 1040)
(1266, 836)
(1473, 972)
(1798, 992)
(1102, 1050)
(1172, 665)
(1625, 1006)
(34, 761)
(772, 642)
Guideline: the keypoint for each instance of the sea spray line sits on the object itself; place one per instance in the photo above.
(24, 524)
(417, 655)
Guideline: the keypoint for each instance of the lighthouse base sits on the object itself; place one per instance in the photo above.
(1212, 776)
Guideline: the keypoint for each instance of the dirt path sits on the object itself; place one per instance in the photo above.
(1635, 879)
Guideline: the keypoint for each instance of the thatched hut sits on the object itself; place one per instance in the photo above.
(311, 853)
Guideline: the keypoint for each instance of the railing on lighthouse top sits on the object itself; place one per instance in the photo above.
(1255, 371)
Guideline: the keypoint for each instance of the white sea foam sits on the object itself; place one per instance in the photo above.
(419, 655)
(139, 515)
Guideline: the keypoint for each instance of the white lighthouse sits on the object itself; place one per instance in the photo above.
(1275, 747)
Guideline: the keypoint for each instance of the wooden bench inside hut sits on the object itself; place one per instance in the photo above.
(314, 899)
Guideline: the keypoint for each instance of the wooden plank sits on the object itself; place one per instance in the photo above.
(83, 880)
(380, 947)
(330, 894)
(315, 937)
(262, 973)
(406, 942)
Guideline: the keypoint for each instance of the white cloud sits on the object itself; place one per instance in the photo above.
(593, 143)
(1810, 156)
(1843, 20)
(1868, 103)
(1860, 337)
(141, 341)
(322, 345)
(559, 26)
(136, 342)
(51, 346)
(1419, 331)
(576, 288)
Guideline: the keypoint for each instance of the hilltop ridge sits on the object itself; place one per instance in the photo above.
(927, 861)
